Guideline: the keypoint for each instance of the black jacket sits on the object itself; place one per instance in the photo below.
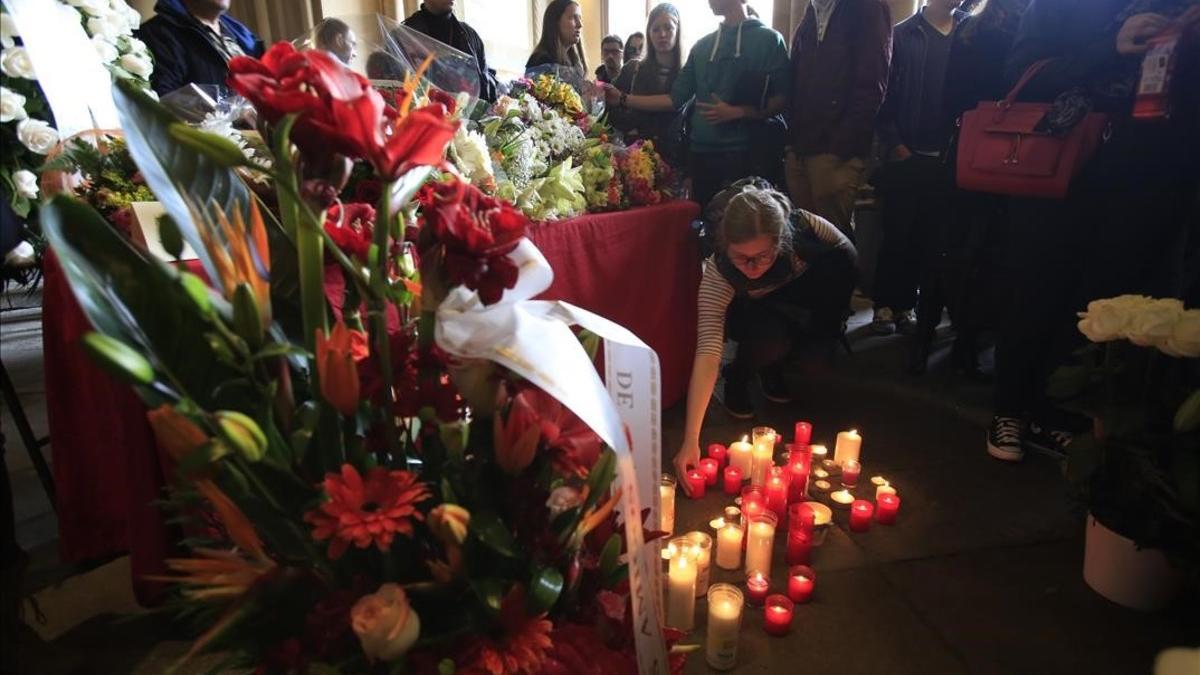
(449, 30)
(183, 52)
(902, 108)
(976, 69)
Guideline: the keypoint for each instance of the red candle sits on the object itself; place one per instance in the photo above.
(710, 467)
(889, 506)
(799, 453)
(754, 502)
(802, 517)
(799, 547)
(733, 480)
(757, 588)
(777, 616)
(718, 452)
(801, 582)
(777, 492)
(803, 433)
(696, 483)
(860, 515)
(798, 483)
(850, 471)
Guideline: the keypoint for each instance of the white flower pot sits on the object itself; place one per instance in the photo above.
(1116, 568)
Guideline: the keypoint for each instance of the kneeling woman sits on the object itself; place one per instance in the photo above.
(779, 283)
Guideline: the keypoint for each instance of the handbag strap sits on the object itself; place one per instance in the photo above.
(1030, 73)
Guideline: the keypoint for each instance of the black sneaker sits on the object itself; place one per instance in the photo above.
(775, 386)
(1004, 439)
(1052, 442)
(736, 399)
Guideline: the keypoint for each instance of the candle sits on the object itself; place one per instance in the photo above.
(763, 454)
(701, 545)
(820, 473)
(666, 509)
(803, 433)
(801, 582)
(879, 480)
(718, 452)
(754, 502)
(889, 506)
(777, 491)
(818, 453)
(696, 482)
(729, 546)
(725, 604)
(681, 591)
(669, 551)
(709, 467)
(733, 480)
(777, 615)
(860, 515)
(732, 515)
(850, 471)
(842, 499)
(848, 446)
(884, 490)
(799, 547)
(822, 519)
(823, 485)
(801, 516)
(741, 456)
(798, 483)
(760, 539)
(758, 585)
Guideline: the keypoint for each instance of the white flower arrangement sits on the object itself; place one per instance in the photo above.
(1162, 323)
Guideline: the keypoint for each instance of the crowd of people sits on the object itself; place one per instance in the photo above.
(777, 143)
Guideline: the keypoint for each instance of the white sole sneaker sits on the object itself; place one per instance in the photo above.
(1005, 453)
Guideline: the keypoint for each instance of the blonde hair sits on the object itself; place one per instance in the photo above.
(754, 212)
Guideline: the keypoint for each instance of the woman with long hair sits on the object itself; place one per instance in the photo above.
(654, 74)
(561, 41)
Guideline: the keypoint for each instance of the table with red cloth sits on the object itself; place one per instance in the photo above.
(639, 268)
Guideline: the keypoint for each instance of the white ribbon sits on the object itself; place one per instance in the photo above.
(533, 339)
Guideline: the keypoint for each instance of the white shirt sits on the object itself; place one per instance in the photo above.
(824, 10)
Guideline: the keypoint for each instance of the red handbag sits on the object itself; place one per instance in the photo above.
(1001, 152)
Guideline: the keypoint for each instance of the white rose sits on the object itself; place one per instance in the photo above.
(1185, 336)
(1108, 319)
(133, 45)
(99, 8)
(26, 183)
(109, 27)
(133, 17)
(37, 135)
(105, 49)
(12, 105)
(138, 65)
(8, 30)
(1152, 323)
(14, 62)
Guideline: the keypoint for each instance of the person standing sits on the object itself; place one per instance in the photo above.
(561, 41)
(612, 54)
(336, 37)
(436, 19)
(653, 75)
(915, 181)
(192, 42)
(635, 47)
(1123, 226)
(738, 78)
(840, 56)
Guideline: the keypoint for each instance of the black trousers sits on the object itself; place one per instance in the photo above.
(803, 317)
(917, 210)
(1061, 254)
(713, 171)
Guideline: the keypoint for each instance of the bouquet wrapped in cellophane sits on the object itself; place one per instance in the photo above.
(356, 500)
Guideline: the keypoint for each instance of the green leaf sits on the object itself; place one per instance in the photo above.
(490, 592)
(276, 349)
(247, 321)
(544, 589)
(118, 358)
(492, 531)
(1187, 417)
(170, 236)
(590, 342)
(618, 575)
(198, 292)
(219, 149)
(610, 556)
(600, 478)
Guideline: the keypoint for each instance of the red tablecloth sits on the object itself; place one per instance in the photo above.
(639, 268)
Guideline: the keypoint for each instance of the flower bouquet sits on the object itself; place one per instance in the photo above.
(644, 175)
(360, 500)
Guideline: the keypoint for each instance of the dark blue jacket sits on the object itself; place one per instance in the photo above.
(902, 111)
(183, 52)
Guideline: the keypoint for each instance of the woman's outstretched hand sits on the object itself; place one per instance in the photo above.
(688, 457)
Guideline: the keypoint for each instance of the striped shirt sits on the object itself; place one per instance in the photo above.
(716, 293)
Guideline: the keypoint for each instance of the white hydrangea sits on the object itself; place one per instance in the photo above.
(12, 105)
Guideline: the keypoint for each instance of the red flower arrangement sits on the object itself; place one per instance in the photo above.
(364, 512)
(352, 227)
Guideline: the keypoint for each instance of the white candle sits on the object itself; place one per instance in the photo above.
(701, 545)
(725, 604)
(820, 474)
(819, 453)
(822, 485)
(741, 456)
(884, 490)
(669, 551)
(764, 459)
(666, 493)
(849, 443)
(729, 546)
(681, 591)
(879, 480)
(842, 498)
(760, 541)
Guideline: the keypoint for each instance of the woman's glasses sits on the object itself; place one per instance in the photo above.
(755, 261)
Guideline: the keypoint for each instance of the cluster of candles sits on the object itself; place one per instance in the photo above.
(774, 493)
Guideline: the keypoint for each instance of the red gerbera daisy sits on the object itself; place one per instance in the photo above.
(523, 648)
(362, 512)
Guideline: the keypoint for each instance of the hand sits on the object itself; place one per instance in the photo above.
(900, 153)
(612, 95)
(1137, 29)
(687, 457)
(720, 112)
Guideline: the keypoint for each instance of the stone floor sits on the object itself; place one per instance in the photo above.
(981, 574)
